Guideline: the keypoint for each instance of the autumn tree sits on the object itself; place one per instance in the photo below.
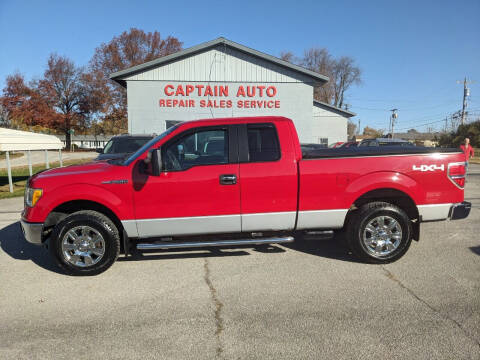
(373, 133)
(130, 48)
(288, 56)
(67, 88)
(4, 116)
(23, 105)
(351, 128)
(320, 61)
(342, 72)
(345, 73)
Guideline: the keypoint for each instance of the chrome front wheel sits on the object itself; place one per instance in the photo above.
(83, 246)
(85, 242)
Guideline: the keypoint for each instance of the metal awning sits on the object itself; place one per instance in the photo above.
(16, 140)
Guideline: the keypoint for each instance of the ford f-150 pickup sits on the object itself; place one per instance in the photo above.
(232, 181)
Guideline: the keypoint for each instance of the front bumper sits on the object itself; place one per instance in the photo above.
(460, 210)
(32, 232)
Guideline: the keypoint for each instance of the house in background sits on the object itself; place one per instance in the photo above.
(87, 141)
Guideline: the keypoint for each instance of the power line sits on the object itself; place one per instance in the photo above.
(374, 109)
(434, 94)
(407, 108)
(421, 125)
(429, 107)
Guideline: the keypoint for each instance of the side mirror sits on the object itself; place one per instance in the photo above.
(156, 161)
(99, 150)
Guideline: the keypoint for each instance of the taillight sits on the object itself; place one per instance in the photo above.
(456, 173)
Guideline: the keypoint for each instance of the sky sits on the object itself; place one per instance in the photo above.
(411, 53)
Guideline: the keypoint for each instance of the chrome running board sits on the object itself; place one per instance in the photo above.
(194, 244)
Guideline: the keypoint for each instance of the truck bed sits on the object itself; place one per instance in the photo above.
(309, 153)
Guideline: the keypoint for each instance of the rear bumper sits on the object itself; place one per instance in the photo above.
(460, 210)
(32, 232)
(438, 212)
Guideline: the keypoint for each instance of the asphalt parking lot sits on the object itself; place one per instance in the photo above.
(282, 302)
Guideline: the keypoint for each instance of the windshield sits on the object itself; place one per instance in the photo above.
(107, 149)
(120, 145)
(140, 151)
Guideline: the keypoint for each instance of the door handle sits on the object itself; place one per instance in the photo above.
(228, 179)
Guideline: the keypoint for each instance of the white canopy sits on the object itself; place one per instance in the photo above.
(12, 140)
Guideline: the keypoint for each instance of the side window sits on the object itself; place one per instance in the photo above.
(262, 143)
(171, 123)
(203, 147)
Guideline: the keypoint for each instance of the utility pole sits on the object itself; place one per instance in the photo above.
(466, 93)
(392, 120)
(446, 124)
(358, 130)
(454, 118)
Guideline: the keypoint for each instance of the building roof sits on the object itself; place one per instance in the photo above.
(120, 76)
(334, 108)
(86, 137)
(12, 140)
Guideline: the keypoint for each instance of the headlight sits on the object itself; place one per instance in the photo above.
(32, 196)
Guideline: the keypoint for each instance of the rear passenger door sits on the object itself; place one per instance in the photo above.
(268, 178)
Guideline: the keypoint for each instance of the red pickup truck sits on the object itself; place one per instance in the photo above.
(240, 181)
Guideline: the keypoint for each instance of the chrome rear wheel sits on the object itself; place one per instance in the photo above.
(382, 236)
(379, 232)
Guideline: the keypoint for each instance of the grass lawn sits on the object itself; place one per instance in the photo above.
(20, 176)
(12, 156)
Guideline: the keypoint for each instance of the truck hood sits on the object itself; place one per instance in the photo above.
(91, 173)
(84, 169)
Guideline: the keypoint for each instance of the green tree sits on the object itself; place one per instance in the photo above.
(456, 138)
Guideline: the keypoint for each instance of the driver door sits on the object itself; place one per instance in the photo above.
(198, 191)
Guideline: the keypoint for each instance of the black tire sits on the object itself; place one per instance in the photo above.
(94, 220)
(356, 227)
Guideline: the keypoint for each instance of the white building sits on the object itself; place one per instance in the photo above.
(86, 141)
(221, 78)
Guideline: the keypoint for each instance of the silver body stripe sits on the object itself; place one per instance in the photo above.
(277, 221)
(321, 219)
(269, 221)
(434, 212)
(315, 219)
(188, 225)
(130, 227)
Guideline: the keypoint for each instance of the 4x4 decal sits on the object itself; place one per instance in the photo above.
(432, 167)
